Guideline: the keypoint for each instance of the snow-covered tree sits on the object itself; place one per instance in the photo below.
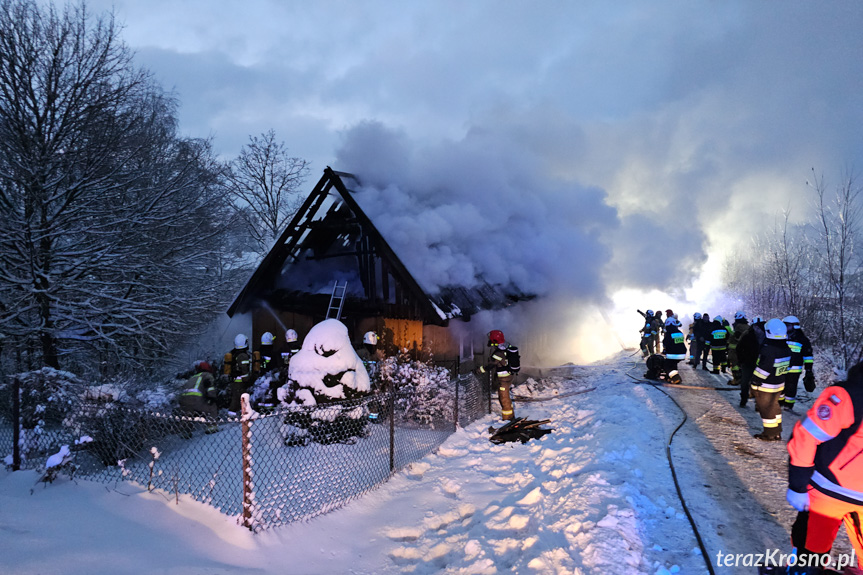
(265, 183)
(109, 249)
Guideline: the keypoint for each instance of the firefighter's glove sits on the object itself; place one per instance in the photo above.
(809, 381)
(799, 501)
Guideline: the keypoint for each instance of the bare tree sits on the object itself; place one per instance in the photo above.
(265, 182)
(110, 222)
(838, 222)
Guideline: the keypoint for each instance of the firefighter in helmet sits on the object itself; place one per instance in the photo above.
(504, 364)
(238, 367)
(264, 359)
(673, 348)
(293, 346)
(801, 358)
(768, 381)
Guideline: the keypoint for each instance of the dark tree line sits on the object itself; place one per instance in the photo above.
(119, 239)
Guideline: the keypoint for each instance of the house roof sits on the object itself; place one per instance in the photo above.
(332, 239)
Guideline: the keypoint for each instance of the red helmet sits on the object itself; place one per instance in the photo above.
(203, 366)
(495, 337)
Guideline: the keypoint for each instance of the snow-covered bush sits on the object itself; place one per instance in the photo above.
(425, 392)
(326, 369)
(326, 384)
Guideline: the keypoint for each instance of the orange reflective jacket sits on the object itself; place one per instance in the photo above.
(826, 447)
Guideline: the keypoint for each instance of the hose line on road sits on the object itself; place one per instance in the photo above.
(701, 546)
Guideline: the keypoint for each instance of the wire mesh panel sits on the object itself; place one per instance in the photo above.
(303, 461)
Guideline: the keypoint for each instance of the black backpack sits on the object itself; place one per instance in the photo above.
(513, 360)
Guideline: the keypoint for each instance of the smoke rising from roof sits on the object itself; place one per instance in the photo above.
(485, 208)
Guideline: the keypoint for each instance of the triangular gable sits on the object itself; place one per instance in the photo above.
(329, 239)
(332, 239)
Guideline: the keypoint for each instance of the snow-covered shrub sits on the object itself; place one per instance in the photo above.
(327, 382)
(425, 392)
(327, 368)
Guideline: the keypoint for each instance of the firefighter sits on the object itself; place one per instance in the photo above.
(825, 470)
(647, 338)
(768, 381)
(200, 395)
(801, 358)
(703, 336)
(264, 359)
(293, 346)
(719, 345)
(694, 344)
(740, 326)
(747, 356)
(502, 354)
(658, 324)
(238, 367)
(673, 348)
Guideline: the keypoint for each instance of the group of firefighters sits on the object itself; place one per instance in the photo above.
(767, 359)
(240, 369)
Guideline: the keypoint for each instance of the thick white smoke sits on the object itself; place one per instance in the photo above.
(485, 208)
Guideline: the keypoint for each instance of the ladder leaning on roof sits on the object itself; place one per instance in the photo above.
(337, 300)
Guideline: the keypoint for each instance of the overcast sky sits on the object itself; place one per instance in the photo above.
(694, 121)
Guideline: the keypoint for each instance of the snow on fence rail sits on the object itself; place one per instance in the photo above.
(303, 461)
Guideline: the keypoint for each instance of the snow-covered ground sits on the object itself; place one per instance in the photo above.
(595, 496)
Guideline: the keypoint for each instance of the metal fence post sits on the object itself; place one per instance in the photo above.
(16, 424)
(245, 418)
(455, 407)
(392, 409)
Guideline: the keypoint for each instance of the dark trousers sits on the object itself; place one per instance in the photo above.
(703, 354)
(746, 372)
(719, 360)
(694, 351)
(791, 381)
(767, 405)
(670, 367)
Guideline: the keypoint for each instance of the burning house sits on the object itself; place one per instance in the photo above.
(331, 261)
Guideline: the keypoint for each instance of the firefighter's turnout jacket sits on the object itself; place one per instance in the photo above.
(773, 362)
(238, 366)
(768, 382)
(674, 346)
(826, 453)
(199, 395)
(718, 341)
(503, 356)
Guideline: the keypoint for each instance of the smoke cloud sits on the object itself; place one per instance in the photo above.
(486, 208)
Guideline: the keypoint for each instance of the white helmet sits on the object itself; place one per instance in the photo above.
(717, 318)
(696, 315)
(290, 335)
(267, 338)
(650, 312)
(791, 320)
(240, 342)
(370, 338)
(757, 319)
(739, 315)
(775, 329)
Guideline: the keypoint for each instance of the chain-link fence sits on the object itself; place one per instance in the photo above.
(297, 462)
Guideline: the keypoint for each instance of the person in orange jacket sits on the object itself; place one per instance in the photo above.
(825, 470)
